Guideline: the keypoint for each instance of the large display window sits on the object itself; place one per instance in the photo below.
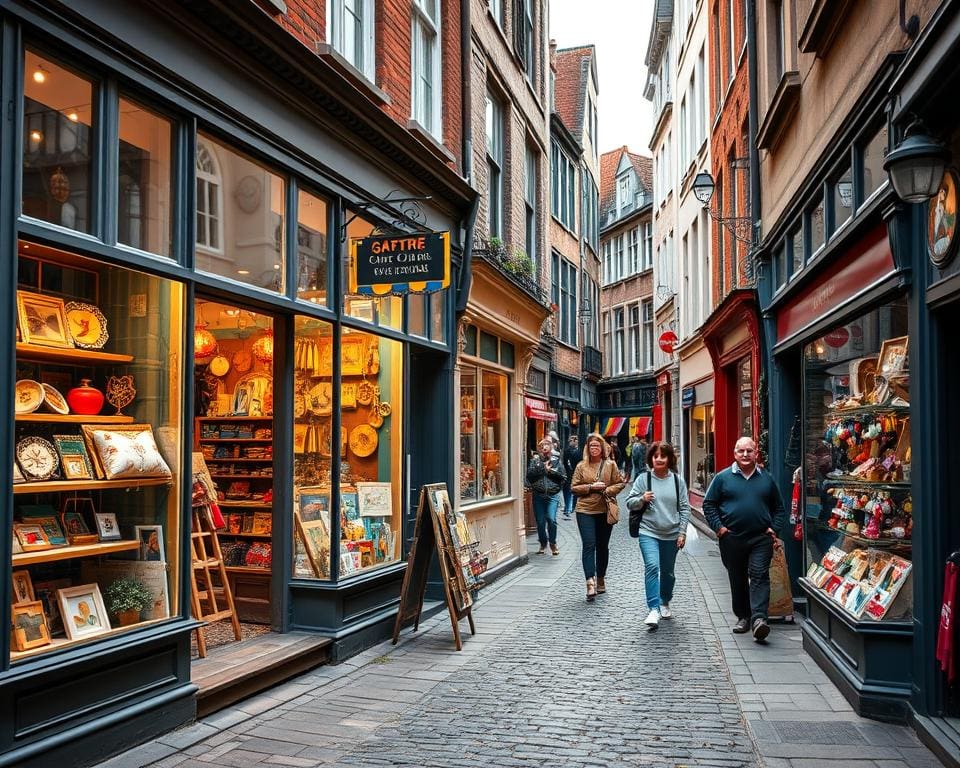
(97, 448)
(483, 434)
(701, 447)
(858, 510)
(370, 402)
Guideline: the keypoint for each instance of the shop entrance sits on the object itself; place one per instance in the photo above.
(234, 433)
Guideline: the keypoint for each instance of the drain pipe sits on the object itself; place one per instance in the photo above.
(466, 151)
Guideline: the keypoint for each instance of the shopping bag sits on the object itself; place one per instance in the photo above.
(781, 598)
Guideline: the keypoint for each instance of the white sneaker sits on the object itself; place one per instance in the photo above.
(665, 611)
(653, 619)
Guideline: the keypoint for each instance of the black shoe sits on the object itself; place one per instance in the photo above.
(741, 627)
(760, 630)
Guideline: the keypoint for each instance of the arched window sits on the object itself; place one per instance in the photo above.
(209, 200)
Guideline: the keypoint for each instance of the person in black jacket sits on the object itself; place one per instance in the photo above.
(571, 457)
(546, 477)
(744, 507)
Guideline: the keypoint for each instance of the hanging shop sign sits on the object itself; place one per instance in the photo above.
(536, 408)
(400, 264)
(667, 341)
(689, 397)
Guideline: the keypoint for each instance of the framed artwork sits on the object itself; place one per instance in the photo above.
(352, 355)
(83, 612)
(16, 548)
(893, 359)
(348, 396)
(315, 536)
(942, 221)
(29, 626)
(51, 528)
(299, 437)
(43, 320)
(151, 542)
(262, 523)
(375, 499)
(152, 574)
(314, 504)
(46, 592)
(73, 457)
(251, 395)
(31, 537)
(108, 529)
(348, 503)
(76, 528)
(88, 326)
(22, 587)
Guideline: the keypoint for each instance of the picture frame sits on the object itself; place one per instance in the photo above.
(108, 529)
(83, 612)
(29, 626)
(348, 503)
(43, 320)
(262, 523)
(72, 449)
(313, 503)
(75, 527)
(16, 547)
(352, 354)
(348, 396)
(46, 592)
(315, 537)
(23, 587)
(151, 543)
(31, 537)
(375, 499)
(251, 394)
(51, 528)
(942, 221)
(300, 437)
(893, 359)
(152, 574)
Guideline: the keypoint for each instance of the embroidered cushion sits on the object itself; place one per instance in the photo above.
(129, 453)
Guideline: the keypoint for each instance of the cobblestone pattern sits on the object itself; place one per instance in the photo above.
(547, 680)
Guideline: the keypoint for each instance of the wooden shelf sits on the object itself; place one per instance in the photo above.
(69, 355)
(236, 439)
(247, 569)
(244, 504)
(229, 419)
(243, 477)
(58, 486)
(59, 643)
(262, 461)
(264, 536)
(74, 418)
(74, 551)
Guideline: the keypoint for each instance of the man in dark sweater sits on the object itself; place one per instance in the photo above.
(744, 507)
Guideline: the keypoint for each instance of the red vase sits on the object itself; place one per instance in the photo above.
(85, 400)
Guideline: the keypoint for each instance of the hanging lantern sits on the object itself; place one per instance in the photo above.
(263, 348)
(59, 185)
(204, 343)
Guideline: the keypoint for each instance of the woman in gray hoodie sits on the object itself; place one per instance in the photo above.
(662, 495)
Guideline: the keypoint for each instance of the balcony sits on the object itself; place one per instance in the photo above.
(513, 264)
(592, 361)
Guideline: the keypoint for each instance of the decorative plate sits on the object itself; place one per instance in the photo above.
(55, 400)
(375, 420)
(242, 360)
(28, 394)
(37, 458)
(365, 393)
(219, 366)
(385, 409)
(363, 440)
(87, 324)
(320, 399)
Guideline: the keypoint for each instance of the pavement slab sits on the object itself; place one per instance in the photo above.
(552, 680)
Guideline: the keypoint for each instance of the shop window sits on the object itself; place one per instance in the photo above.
(797, 253)
(438, 316)
(817, 226)
(701, 464)
(489, 347)
(483, 435)
(873, 154)
(144, 184)
(244, 205)
(781, 273)
(97, 447)
(384, 311)
(507, 354)
(417, 314)
(857, 509)
(312, 244)
(842, 190)
(745, 397)
(58, 145)
(369, 399)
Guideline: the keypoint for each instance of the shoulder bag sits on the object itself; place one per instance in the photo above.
(636, 515)
(613, 508)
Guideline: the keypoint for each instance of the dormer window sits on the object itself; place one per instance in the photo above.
(623, 193)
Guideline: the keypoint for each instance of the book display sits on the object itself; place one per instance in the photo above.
(482, 434)
(859, 507)
(368, 450)
(95, 455)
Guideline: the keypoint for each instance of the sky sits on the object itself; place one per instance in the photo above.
(620, 30)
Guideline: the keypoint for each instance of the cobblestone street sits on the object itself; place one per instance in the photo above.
(549, 680)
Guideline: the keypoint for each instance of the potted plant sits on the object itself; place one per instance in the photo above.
(126, 599)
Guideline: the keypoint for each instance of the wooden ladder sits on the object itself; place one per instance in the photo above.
(208, 559)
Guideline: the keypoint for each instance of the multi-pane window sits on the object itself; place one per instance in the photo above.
(591, 203)
(634, 362)
(209, 200)
(619, 345)
(683, 135)
(646, 313)
(568, 302)
(796, 252)
(623, 194)
(351, 32)
(646, 247)
(779, 48)
(607, 346)
(731, 53)
(817, 228)
(524, 40)
(633, 249)
(496, 8)
(873, 153)
(842, 199)
(530, 205)
(606, 262)
(425, 60)
(494, 128)
(563, 183)
(620, 266)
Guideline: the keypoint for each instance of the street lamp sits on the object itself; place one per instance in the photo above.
(741, 227)
(916, 165)
(703, 187)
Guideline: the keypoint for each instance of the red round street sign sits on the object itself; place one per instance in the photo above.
(667, 341)
(837, 338)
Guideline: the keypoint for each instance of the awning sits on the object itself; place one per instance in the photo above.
(613, 425)
(640, 425)
(538, 409)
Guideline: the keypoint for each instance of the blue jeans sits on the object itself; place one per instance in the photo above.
(567, 500)
(659, 558)
(545, 511)
(595, 536)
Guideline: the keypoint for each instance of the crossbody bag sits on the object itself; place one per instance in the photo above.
(636, 515)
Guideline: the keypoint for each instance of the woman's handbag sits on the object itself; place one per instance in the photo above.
(613, 508)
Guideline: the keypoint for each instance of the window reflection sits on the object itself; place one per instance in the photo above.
(57, 143)
(312, 228)
(385, 311)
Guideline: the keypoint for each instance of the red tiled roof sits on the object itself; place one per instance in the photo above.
(609, 162)
(644, 167)
(570, 86)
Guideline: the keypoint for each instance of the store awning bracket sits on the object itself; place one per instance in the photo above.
(409, 214)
